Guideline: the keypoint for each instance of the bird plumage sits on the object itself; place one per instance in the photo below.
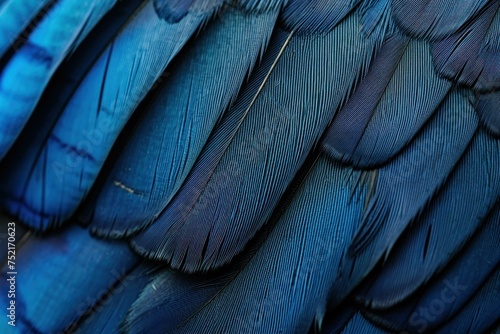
(248, 166)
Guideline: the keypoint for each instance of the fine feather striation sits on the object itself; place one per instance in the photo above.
(108, 314)
(488, 110)
(359, 325)
(336, 319)
(445, 295)
(26, 150)
(174, 10)
(47, 307)
(452, 218)
(49, 189)
(434, 19)
(471, 56)
(481, 314)
(15, 16)
(315, 16)
(25, 77)
(390, 106)
(244, 170)
(283, 285)
(376, 19)
(395, 203)
(170, 136)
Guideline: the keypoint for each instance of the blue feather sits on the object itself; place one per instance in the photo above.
(283, 285)
(395, 203)
(196, 130)
(471, 56)
(52, 186)
(376, 19)
(15, 16)
(262, 5)
(390, 106)
(448, 292)
(67, 258)
(26, 75)
(481, 314)
(17, 164)
(359, 325)
(488, 110)
(107, 316)
(239, 178)
(174, 10)
(336, 319)
(315, 16)
(444, 228)
(179, 121)
(434, 19)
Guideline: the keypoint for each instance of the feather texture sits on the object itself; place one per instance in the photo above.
(179, 121)
(453, 217)
(395, 203)
(434, 19)
(396, 98)
(15, 16)
(239, 178)
(69, 160)
(39, 267)
(359, 325)
(315, 16)
(26, 75)
(482, 312)
(443, 298)
(471, 56)
(201, 133)
(107, 315)
(282, 282)
(488, 109)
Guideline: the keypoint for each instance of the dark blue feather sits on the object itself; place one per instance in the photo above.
(315, 16)
(177, 110)
(394, 203)
(45, 192)
(245, 169)
(283, 285)
(338, 318)
(434, 19)
(359, 325)
(108, 314)
(488, 110)
(179, 296)
(444, 297)
(481, 314)
(170, 136)
(261, 5)
(471, 56)
(53, 285)
(173, 11)
(390, 106)
(455, 214)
